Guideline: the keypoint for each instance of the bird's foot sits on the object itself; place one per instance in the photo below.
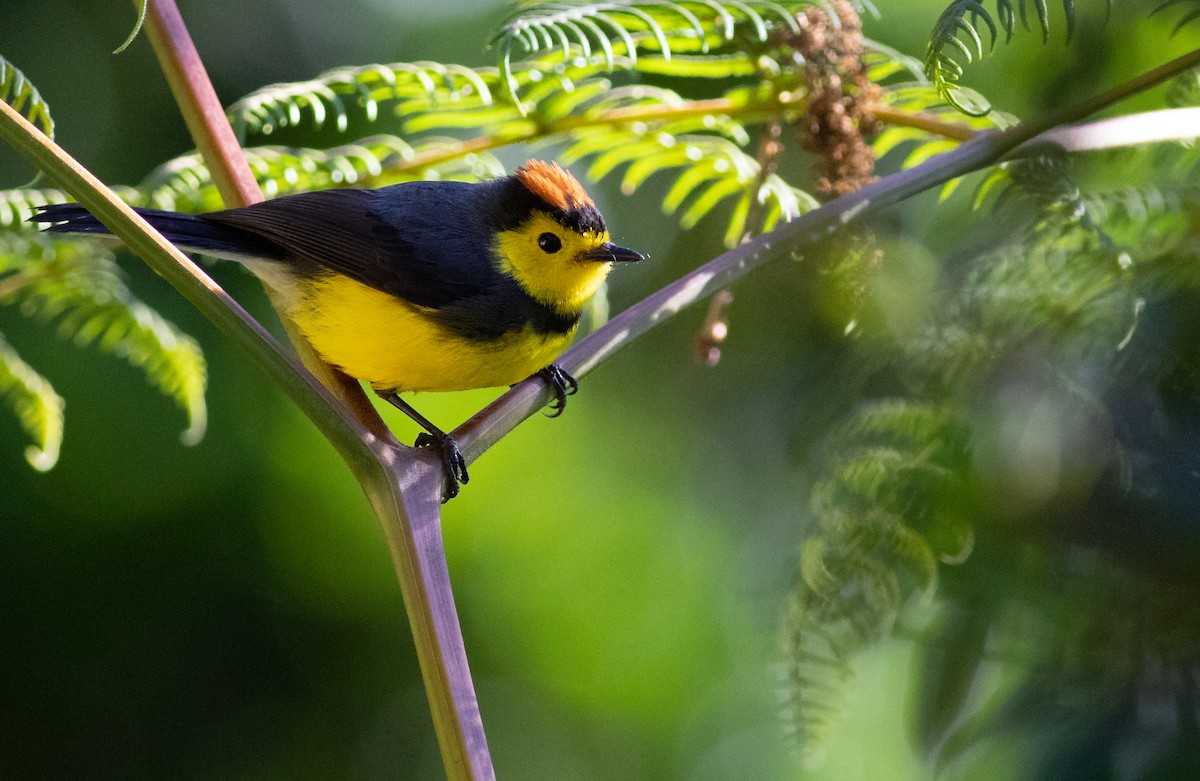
(562, 384)
(454, 466)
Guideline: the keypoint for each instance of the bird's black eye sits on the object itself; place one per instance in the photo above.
(549, 243)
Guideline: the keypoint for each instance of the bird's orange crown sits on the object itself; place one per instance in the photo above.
(553, 185)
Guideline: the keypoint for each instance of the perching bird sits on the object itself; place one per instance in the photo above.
(421, 286)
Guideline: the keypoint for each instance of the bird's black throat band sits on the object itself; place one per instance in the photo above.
(504, 310)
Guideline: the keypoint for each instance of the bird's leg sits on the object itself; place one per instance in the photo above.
(453, 464)
(562, 384)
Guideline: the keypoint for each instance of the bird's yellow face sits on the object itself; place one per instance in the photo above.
(555, 264)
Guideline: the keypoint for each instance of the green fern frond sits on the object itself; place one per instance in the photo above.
(641, 32)
(957, 34)
(872, 474)
(79, 284)
(418, 97)
(708, 171)
(1142, 217)
(184, 184)
(816, 576)
(366, 89)
(885, 522)
(37, 407)
(137, 27)
(854, 604)
(1080, 299)
(18, 92)
(658, 26)
(910, 549)
(414, 97)
(814, 664)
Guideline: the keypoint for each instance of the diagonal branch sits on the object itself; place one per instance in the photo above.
(1150, 127)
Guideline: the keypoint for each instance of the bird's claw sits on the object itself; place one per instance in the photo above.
(562, 384)
(454, 466)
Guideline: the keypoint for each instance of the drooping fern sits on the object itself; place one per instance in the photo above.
(38, 408)
(79, 287)
(1137, 215)
(884, 517)
(1035, 349)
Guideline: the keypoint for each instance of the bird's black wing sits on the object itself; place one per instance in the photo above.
(423, 242)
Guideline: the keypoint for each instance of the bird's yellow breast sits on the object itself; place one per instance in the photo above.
(394, 345)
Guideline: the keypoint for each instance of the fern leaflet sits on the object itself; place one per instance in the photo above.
(18, 92)
(332, 95)
(38, 408)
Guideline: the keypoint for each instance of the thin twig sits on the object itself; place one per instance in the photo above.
(199, 105)
(623, 115)
(775, 107)
(919, 120)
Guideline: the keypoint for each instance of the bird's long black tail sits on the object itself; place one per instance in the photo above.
(191, 232)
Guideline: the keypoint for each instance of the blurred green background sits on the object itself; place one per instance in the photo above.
(229, 610)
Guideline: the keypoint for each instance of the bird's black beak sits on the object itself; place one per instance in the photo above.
(609, 253)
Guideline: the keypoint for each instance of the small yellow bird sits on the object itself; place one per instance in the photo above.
(421, 286)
